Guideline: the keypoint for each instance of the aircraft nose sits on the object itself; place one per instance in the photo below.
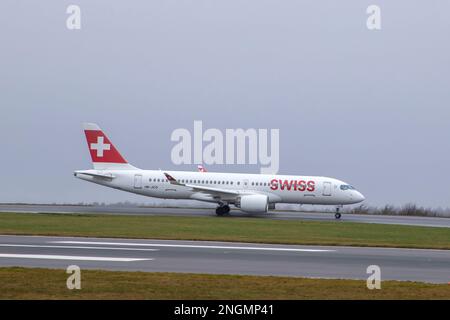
(359, 196)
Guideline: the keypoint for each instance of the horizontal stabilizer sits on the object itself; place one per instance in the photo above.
(107, 176)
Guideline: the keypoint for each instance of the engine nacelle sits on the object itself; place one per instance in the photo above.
(255, 203)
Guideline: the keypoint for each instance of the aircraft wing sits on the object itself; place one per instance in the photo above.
(220, 192)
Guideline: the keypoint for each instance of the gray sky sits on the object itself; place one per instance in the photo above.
(369, 107)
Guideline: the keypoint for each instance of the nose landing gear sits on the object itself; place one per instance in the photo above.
(223, 210)
(337, 215)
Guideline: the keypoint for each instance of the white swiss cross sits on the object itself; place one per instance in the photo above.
(100, 146)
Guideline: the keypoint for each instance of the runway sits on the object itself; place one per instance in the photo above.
(281, 215)
(224, 258)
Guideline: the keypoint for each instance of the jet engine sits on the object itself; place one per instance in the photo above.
(255, 203)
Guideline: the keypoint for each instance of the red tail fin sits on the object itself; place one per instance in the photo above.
(103, 153)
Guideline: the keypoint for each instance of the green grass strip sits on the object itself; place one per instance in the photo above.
(226, 229)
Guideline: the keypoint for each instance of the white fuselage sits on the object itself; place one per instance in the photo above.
(278, 188)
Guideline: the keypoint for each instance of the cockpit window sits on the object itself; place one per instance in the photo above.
(346, 187)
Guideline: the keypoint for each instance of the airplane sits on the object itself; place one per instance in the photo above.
(251, 193)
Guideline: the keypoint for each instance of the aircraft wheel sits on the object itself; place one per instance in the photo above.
(223, 210)
(337, 215)
(220, 211)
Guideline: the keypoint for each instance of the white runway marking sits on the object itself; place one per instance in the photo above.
(193, 246)
(72, 247)
(59, 257)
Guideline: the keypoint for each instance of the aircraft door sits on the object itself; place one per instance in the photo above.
(138, 181)
(327, 188)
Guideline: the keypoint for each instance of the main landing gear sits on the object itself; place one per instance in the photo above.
(337, 215)
(223, 210)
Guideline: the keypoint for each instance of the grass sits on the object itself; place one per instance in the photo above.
(25, 283)
(226, 229)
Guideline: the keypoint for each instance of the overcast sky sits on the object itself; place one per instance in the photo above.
(369, 107)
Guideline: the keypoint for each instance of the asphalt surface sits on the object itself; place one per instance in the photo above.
(282, 215)
(224, 258)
